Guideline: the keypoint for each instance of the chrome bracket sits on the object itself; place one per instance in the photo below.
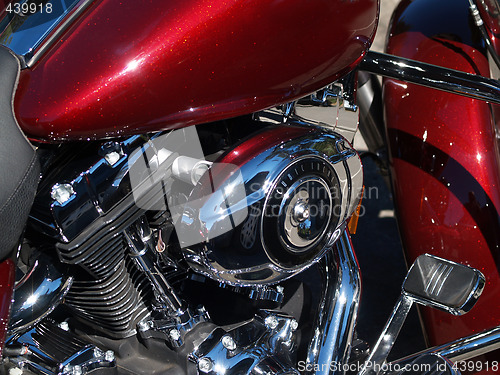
(334, 108)
(173, 331)
(140, 239)
(260, 346)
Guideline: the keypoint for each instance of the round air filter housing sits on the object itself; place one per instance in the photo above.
(271, 206)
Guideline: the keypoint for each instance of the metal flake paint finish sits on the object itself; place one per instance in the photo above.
(141, 66)
(7, 274)
(445, 162)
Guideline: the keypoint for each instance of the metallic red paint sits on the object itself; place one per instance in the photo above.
(267, 138)
(7, 274)
(142, 66)
(445, 169)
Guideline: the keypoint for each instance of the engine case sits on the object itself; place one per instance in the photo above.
(268, 208)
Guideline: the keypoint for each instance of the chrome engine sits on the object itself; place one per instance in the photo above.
(138, 222)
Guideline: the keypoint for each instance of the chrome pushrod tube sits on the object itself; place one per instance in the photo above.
(433, 76)
(462, 349)
(334, 325)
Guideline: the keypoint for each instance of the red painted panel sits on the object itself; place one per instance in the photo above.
(7, 274)
(128, 67)
(445, 165)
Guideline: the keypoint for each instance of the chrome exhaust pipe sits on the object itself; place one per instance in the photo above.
(334, 326)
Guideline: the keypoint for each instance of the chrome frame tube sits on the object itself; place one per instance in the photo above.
(334, 326)
(437, 77)
(462, 349)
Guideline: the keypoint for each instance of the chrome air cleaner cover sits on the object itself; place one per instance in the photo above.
(271, 206)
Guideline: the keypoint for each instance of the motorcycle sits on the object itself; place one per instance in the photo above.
(179, 185)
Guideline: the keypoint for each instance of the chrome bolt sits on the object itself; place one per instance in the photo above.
(61, 193)
(301, 211)
(15, 371)
(294, 325)
(77, 370)
(109, 356)
(280, 289)
(98, 353)
(112, 152)
(205, 365)
(67, 369)
(143, 326)
(64, 326)
(112, 158)
(228, 342)
(174, 334)
(271, 322)
(24, 350)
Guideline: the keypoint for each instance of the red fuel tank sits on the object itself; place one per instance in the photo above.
(129, 67)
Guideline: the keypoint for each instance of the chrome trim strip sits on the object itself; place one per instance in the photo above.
(60, 29)
(336, 319)
(462, 349)
(449, 80)
(32, 41)
(333, 108)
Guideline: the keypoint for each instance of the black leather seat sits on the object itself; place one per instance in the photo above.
(19, 167)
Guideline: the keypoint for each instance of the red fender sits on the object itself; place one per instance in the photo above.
(445, 158)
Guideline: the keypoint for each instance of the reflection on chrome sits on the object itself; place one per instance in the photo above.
(37, 294)
(289, 203)
(437, 77)
(336, 319)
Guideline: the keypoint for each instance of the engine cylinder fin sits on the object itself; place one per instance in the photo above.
(108, 302)
(114, 254)
(99, 261)
(80, 253)
(112, 305)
